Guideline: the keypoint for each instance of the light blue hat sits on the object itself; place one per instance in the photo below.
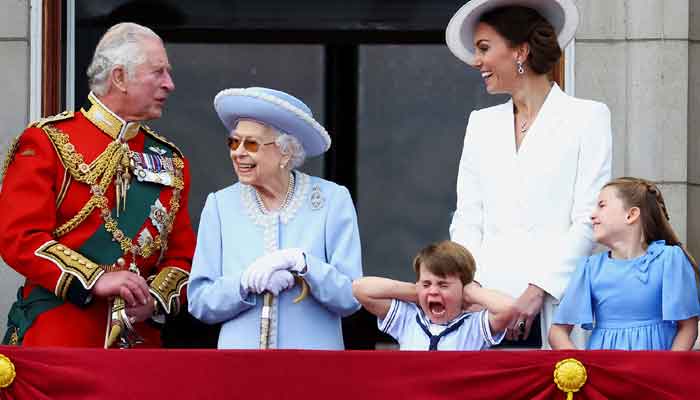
(277, 109)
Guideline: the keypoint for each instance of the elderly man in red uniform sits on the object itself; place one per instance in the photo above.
(95, 208)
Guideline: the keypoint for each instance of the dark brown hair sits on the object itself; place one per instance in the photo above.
(645, 195)
(520, 25)
(446, 258)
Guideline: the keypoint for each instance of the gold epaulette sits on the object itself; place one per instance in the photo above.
(53, 118)
(11, 150)
(162, 139)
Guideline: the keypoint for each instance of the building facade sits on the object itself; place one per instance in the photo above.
(383, 86)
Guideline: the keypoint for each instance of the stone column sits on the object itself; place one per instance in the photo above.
(633, 55)
(694, 130)
(14, 109)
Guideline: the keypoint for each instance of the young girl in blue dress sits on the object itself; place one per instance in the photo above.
(640, 295)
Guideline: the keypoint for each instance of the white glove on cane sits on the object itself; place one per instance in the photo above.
(279, 282)
(257, 276)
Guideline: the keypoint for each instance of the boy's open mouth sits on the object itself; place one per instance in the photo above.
(436, 308)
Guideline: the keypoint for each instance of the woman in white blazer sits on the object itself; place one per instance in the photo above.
(531, 168)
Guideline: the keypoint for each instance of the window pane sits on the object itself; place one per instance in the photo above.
(200, 71)
(414, 102)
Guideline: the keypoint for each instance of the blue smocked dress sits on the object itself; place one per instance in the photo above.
(631, 304)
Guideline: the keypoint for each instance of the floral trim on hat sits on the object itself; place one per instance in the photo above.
(279, 102)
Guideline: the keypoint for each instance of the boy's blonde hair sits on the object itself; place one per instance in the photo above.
(446, 258)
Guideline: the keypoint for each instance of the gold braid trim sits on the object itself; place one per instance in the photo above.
(98, 200)
(11, 150)
(65, 184)
(104, 168)
(14, 337)
(62, 286)
(70, 262)
(74, 162)
(52, 118)
(162, 139)
(166, 287)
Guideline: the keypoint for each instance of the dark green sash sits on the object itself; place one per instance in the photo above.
(24, 312)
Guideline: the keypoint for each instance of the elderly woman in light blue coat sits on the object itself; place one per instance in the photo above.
(274, 232)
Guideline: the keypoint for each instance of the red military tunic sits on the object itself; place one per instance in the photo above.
(59, 226)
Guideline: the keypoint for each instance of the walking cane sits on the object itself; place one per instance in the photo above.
(119, 326)
(265, 315)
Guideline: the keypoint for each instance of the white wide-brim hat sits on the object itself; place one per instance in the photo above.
(274, 108)
(562, 14)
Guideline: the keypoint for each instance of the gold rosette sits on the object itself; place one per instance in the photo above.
(570, 376)
(7, 372)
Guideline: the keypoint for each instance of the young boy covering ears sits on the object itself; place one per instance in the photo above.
(432, 314)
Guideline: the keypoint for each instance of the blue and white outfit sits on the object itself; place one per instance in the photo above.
(631, 304)
(407, 323)
(234, 231)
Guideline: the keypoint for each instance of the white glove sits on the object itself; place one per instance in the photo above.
(256, 277)
(245, 283)
(279, 282)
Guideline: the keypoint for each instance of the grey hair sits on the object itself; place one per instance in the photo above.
(290, 146)
(119, 46)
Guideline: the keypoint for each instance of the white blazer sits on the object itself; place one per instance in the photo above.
(525, 215)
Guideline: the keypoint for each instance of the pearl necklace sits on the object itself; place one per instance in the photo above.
(287, 197)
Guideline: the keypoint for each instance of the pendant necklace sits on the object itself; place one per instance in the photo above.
(524, 127)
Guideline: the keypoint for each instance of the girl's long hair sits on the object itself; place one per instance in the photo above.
(644, 194)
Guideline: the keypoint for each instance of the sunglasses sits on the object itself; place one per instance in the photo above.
(250, 145)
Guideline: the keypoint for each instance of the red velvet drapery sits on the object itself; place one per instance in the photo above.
(58, 373)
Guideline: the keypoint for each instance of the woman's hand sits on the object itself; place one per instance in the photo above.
(257, 277)
(529, 304)
(279, 282)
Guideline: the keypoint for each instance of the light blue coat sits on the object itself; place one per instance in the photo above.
(233, 232)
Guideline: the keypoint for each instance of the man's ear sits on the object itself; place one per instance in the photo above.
(118, 78)
(633, 215)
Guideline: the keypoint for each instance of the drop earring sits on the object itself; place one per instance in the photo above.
(521, 69)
